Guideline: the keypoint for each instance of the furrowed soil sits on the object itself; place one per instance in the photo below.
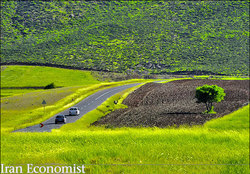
(174, 104)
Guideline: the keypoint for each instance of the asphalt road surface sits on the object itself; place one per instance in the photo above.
(86, 105)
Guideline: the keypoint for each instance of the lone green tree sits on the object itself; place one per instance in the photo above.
(208, 94)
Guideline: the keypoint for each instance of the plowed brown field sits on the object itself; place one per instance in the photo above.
(174, 103)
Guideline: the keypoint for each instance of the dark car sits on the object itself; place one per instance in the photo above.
(60, 118)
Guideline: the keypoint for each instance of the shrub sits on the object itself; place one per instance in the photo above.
(50, 86)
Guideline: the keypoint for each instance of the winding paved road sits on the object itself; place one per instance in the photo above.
(86, 105)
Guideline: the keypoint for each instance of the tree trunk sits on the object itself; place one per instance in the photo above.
(209, 106)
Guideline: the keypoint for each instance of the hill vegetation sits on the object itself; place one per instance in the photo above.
(144, 36)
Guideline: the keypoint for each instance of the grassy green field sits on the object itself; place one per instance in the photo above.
(203, 149)
(219, 146)
(25, 76)
(39, 76)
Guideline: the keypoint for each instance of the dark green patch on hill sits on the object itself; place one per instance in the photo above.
(155, 37)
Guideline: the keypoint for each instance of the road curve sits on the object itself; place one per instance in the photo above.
(86, 105)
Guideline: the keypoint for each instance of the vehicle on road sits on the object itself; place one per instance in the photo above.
(74, 111)
(60, 118)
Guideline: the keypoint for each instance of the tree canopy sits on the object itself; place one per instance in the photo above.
(208, 94)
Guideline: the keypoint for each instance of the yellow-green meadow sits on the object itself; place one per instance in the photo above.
(219, 146)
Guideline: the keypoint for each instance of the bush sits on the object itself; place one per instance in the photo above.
(50, 86)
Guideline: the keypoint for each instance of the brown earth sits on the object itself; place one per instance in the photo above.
(174, 104)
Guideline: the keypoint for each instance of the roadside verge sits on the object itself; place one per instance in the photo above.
(111, 104)
(38, 115)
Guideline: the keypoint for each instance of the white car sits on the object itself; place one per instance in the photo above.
(74, 111)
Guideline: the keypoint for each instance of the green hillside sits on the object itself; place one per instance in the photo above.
(155, 37)
(35, 76)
